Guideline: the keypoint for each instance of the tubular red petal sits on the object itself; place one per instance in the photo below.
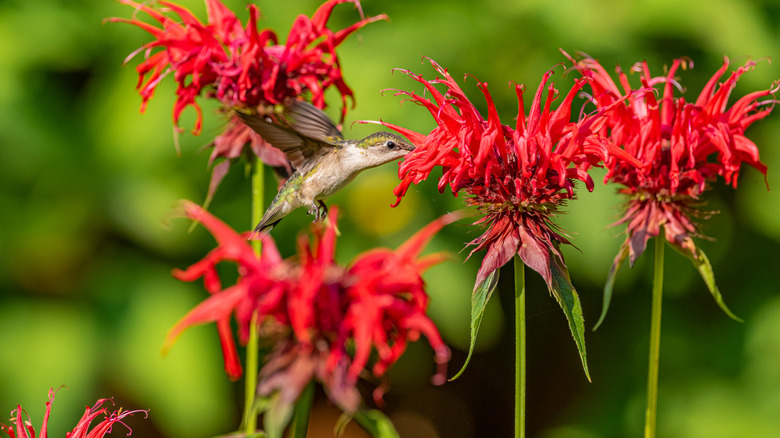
(234, 245)
(412, 247)
(229, 353)
(707, 91)
(216, 307)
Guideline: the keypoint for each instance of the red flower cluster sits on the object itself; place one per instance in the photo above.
(517, 177)
(241, 67)
(23, 429)
(681, 146)
(314, 308)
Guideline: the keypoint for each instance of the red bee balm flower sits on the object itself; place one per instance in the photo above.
(682, 146)
(518, 178)
(313, 309)
(23, 429)
(241, 66)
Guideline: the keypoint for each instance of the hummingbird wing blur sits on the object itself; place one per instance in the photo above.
(312, 122)
(311, 131)
(298, 148)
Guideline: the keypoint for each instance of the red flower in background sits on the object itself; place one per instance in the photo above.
(23, 429)
(682, 146)
(241, 67)
(313, 309)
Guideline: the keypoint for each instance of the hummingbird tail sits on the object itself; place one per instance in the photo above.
(265, 227)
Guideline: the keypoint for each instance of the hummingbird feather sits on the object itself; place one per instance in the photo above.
(311, 121)
(300, 149)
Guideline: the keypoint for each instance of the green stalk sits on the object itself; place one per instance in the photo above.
(250, 379)
(258, 199)
(655, 339)
(520, 347)
(252, 346)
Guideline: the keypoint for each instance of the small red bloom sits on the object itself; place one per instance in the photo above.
(681, 146)
(313, 309)
(23, 429)
(241, 66)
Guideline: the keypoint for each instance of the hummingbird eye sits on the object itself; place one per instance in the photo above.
(391, 145)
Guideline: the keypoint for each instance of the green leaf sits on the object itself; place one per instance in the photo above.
(242, 434)
(479, 300)
(302, 412)
(277, 415)
(373, 421)
(608, 286)
(702, 263)
(569, 301)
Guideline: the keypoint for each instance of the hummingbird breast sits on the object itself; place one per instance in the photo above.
(325, 180)
(333, 171)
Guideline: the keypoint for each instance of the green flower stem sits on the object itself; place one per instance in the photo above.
(520, 347)
(250, 379)
(258, 199)
(252, 346)
(655, 339)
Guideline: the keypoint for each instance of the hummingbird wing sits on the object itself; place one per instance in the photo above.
(311, 131)
(298, 147)
(312, 122)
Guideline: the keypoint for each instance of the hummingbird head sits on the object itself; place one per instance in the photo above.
(376, 149)
(383, 147)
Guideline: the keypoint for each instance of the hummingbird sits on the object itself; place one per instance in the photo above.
(323, 160)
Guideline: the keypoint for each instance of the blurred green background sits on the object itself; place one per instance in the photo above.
(87, 186)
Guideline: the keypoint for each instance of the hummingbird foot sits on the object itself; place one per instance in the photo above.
(319, 210)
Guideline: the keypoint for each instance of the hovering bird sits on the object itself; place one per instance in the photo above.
(323, 160)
